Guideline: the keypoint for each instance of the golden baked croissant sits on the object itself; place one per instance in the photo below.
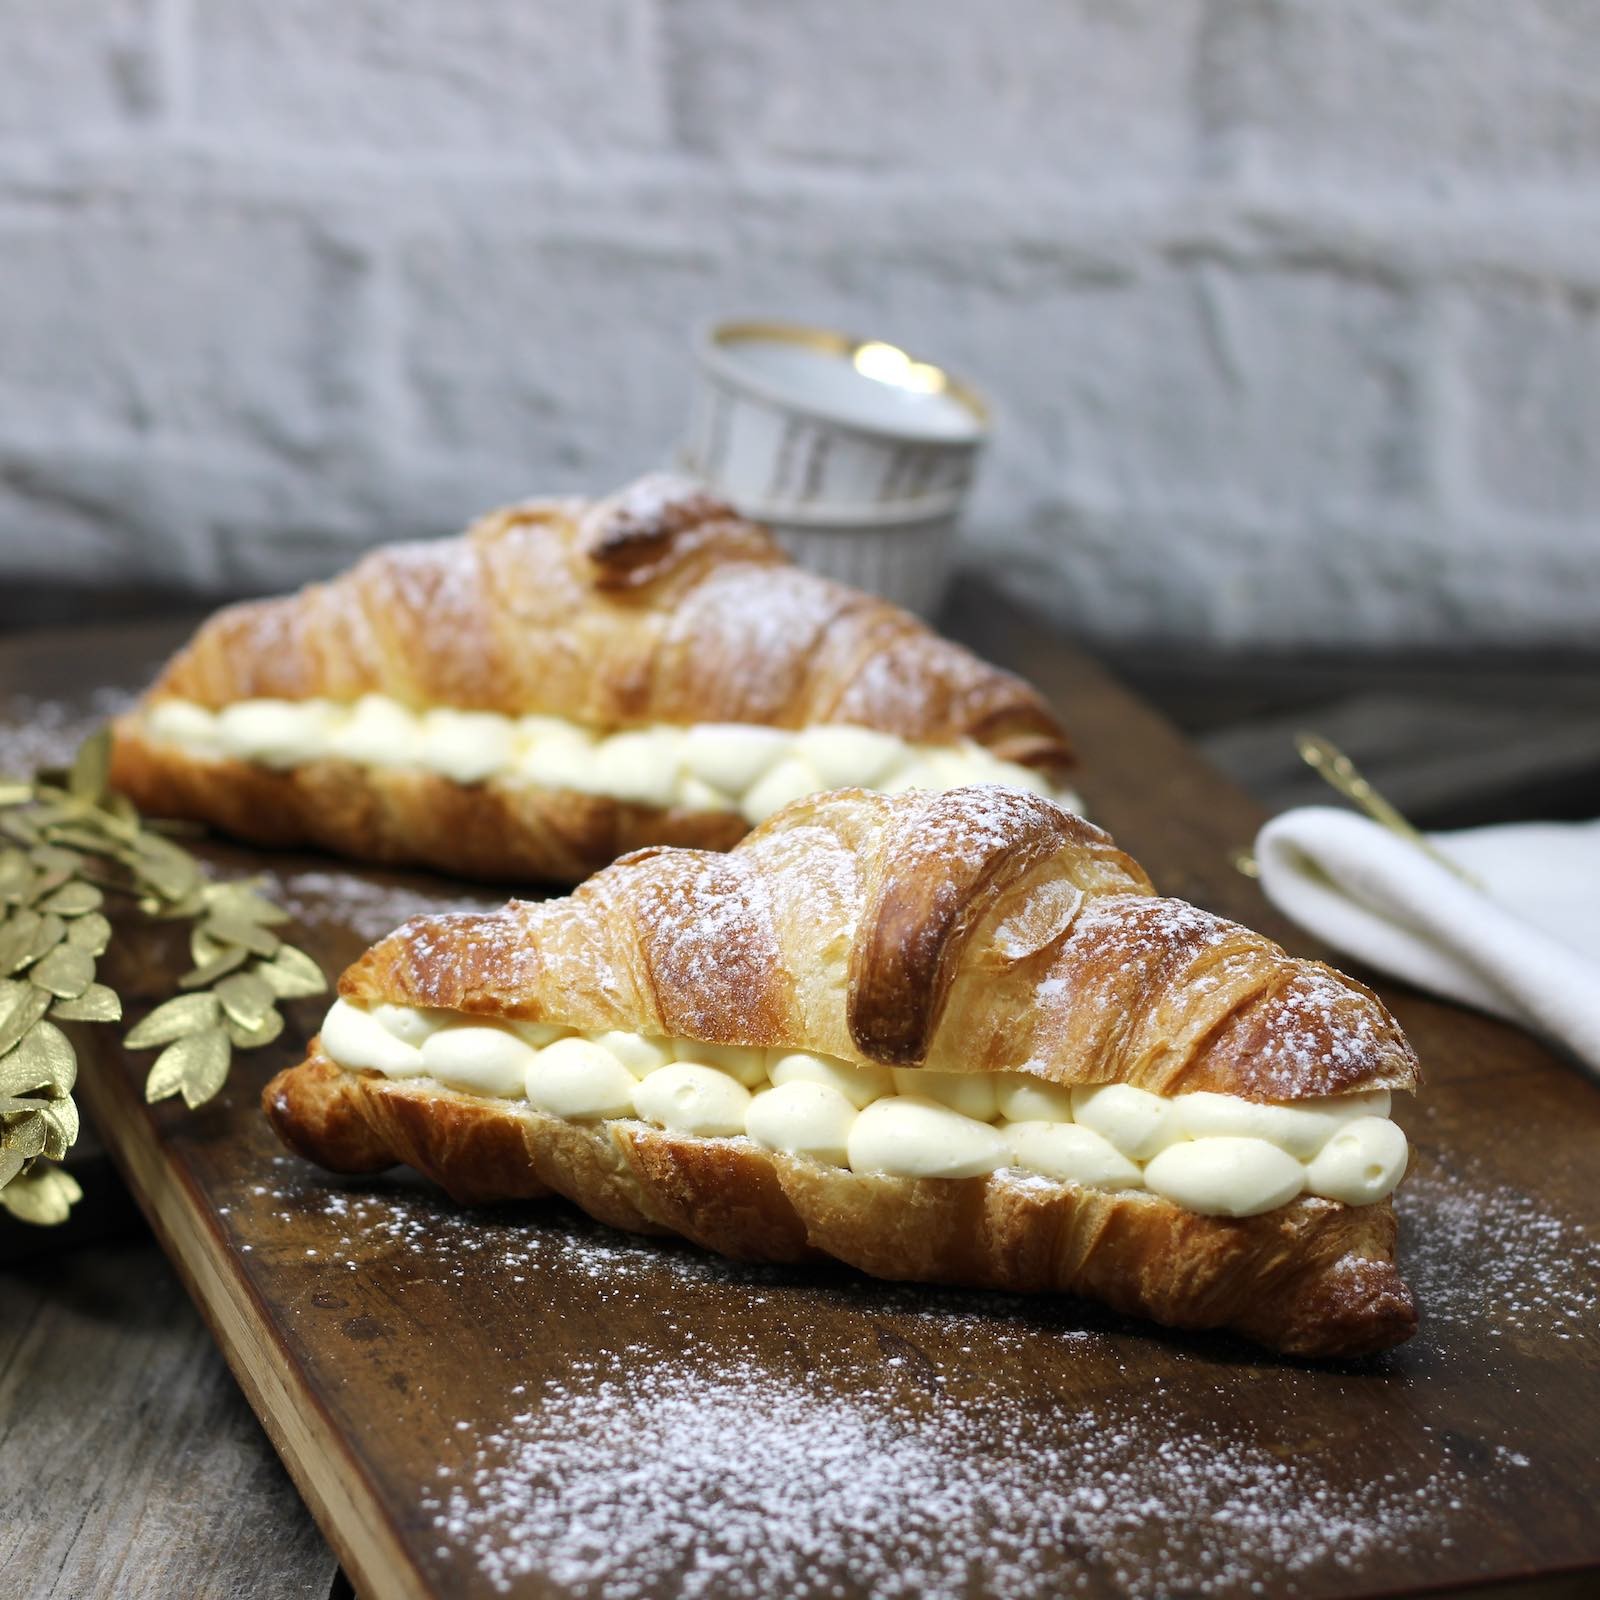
(566, 682)
(950, 1037)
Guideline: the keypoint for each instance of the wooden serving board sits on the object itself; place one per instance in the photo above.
(521, 1402)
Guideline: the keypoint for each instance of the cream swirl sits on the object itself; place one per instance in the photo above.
(703, 766)
(1213, 1154)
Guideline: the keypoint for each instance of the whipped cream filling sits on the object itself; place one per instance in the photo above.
(704, 766)
(1214, 1154)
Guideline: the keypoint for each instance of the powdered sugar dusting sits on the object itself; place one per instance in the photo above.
(440, 578)
(1322, 1029)
(706, 930)
(1148, 925)
(368, 909)
(682, 1476)
(885, 1452)
(1303, 1028)
(969, 826)
(651, 501)
(773, 620)
(40, 733)
(1487, 1259)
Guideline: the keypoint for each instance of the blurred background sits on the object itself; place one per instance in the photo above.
(1290, 312)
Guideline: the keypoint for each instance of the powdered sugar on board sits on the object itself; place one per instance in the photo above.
(44, 733)
(367, 908)
(890, 1457)
(1488, 1263)
(700, 1477)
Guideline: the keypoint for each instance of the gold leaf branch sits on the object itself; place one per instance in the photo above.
(66, 841)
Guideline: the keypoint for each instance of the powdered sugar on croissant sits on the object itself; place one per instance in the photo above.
(978, 930)
(567, 681)
(948, 1036)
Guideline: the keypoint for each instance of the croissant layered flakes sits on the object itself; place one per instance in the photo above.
(950, 1037)
(566, 682)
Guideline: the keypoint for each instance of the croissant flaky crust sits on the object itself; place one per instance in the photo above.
(975, 930)
(657, 605)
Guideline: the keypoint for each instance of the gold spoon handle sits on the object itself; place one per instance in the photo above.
(1335, 768)
(1332, 765)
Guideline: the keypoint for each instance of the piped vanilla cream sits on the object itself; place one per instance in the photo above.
(704, 766)
(1214, 1154)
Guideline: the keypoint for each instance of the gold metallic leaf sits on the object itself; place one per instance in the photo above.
(239, 902)
(292, 973)
(185, 907)
(245, 998)
(106, 876)
(121, 815)
(240, 931)
(18, 1077)
(43, 1059)
(22, 1074)
(219, 966)
(91, 766)
(49, 933)
(16, 877)
(87, 840)
(76, 838)
(175, 1019)
(19, 827)
(74, 899)
(166, 1076)
(175, 827)
(25, 1134)
(252, 1038)
(89, 932)
(44, 1197)
(16, 938)
(97, 1003)
(49, 879)
(197, 1065)
(207, 1071)
(53, 859)
(47, 882)
(60, 1127)
(21, 1005)
(65, 972)
(166, 868)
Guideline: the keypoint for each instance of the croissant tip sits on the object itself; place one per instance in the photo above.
(1357, 1307)
(323, 1127)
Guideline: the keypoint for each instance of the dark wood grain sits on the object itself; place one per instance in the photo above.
(519, 1395)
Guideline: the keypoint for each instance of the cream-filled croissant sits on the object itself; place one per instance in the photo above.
(949, 1037)
(566, 682)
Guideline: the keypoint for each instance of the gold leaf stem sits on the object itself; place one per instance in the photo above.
(72, 842)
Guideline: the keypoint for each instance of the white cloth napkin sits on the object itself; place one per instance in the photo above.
(1524, 946)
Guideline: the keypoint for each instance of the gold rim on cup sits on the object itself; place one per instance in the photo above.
(875, 359)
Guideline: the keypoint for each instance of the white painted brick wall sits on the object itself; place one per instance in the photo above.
(460, 77)
(84, 65)
(898, 86)
(1290, 310)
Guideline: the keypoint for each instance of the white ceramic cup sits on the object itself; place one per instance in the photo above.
(788, 418)
(858, 454)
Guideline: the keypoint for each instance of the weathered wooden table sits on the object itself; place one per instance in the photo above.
(130, 1463)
